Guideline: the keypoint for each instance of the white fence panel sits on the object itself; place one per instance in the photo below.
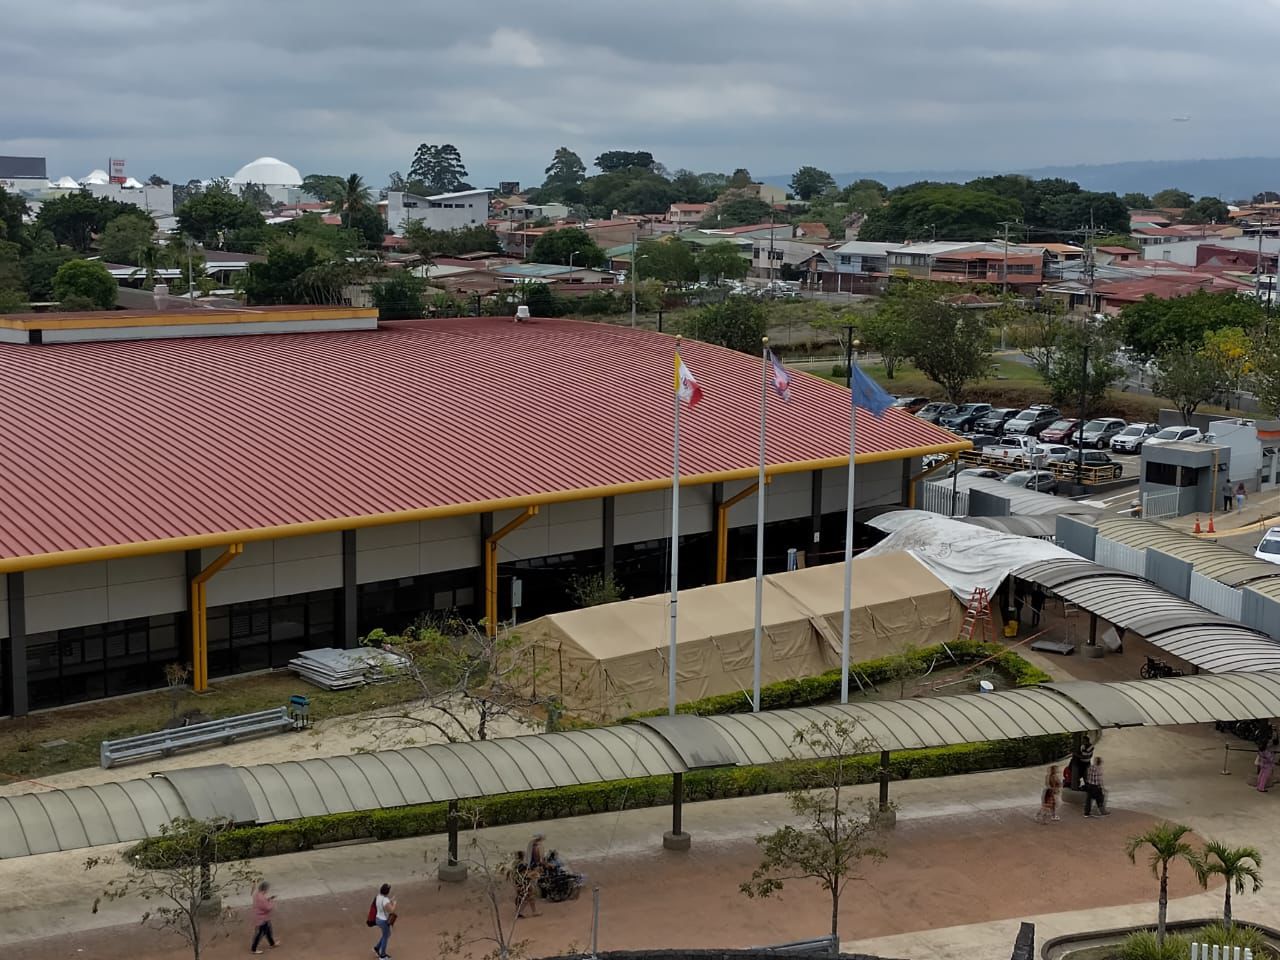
(1156, 506)
(1216, 596)
(1120, 557)
(936, 498)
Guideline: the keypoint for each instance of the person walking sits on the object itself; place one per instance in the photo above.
(522, 878)
(384, 918)
(1266, 764)
(1227, 498)
(1049, 796)
(264, 903)
(1241, 493)
(1094, 791)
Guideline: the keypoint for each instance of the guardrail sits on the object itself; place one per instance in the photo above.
(164, 743)
(827, 946)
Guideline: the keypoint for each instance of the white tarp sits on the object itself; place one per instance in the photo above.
(962, 556)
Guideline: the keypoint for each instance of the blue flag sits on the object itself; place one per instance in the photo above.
(868, 394)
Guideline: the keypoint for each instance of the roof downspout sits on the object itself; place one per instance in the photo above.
(199, 621)
(491, 568)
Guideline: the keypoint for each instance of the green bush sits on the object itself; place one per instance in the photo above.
(807, 691)
(534, 805)
(1141, 945)
(1238, 935)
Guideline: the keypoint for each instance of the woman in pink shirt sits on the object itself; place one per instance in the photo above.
(263, 904)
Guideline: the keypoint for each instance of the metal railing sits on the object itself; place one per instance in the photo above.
(164, 743)
(1158, 506)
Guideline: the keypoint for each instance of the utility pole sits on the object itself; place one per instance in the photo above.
(1004, 267)
(1084, 399)
(634, 265)
(771, 247)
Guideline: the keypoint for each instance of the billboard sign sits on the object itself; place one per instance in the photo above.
(117, 171)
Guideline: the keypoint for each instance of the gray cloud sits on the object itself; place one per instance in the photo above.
(195, 89)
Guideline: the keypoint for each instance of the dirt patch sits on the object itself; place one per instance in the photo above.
(941, 872)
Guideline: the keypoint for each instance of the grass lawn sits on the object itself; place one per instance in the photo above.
(85, 726)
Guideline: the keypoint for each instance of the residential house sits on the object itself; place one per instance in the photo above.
(1021, 268)
(813, 230)
(851, 267)
(443, 211)
(1108, 254)
(769, 193)
(687, 214)
(524, 212)
(781, 257)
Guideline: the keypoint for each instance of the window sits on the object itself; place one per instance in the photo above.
(1171, 475)
(263, 634)
(845, 259)
(411, 204)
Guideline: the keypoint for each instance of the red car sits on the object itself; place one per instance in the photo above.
(1060, 431)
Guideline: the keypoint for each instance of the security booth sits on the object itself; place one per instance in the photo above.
(1182, 478)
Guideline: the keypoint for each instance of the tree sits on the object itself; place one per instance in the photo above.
(1188, 377)
(465, 679)
(494, 874)
(1151, 326)
(668, 260)
(835, 833)
(353, 199)
(740, 179)
(327, 187)
(1207, 210)
(1171, 199)
(180, 874)
(155, 180)
(613, 160)
(690, 187)
(592, 590)
(399, 297)
(182, 192)
(1234, 865)
(297, 274)
(1067, 371)
(75, 218)
(1136, 201)
(738, 323)
(736, 208)
(566, 169)
(1266, 196)
(429, 243)
(950, 346)
(559, 246)
(946, 211)
(256, 195)
(88, 279)
(810, 182)
(1117, 240)
(884, 331)
(1167, 845)
(722, 261)
(209, 216)
(1230, 350)
(38, 270)
(13, 209)
(439, 168)
(125, 238)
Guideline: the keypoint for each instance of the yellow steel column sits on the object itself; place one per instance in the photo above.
(491, 569)
(911, 484)
(199, 623)
(722, 528)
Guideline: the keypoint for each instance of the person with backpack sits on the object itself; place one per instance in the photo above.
(382, 914)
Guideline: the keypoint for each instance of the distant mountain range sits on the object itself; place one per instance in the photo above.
(1234, 178)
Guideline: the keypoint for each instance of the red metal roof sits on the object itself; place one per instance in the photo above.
(130, 442)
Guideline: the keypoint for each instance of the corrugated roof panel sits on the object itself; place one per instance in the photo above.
(34, 823)
(13, 842)
(212, 436)
(1205, 699)
(1208, 558)
(356, 784)
(306, 790)
(64, 817)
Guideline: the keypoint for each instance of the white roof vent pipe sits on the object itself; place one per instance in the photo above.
(522, 313)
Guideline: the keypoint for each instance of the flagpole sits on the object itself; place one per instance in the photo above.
(848, 531)
(675, 540)
(760, 486)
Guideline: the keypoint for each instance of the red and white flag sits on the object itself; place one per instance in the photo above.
(778, 374)
(687, 388)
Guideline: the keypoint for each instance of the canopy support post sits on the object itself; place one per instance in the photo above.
(676, 838)
(451, 871)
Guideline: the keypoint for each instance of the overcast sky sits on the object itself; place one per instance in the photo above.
(194, 88)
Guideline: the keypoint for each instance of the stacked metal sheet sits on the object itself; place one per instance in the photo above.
(335, 669)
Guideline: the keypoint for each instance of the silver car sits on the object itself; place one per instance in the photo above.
(1098, 433)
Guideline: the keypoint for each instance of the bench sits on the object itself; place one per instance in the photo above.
(164, 743)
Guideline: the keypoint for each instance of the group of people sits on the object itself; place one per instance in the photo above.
(535, 874)
(1233, 495)
(1083, 772)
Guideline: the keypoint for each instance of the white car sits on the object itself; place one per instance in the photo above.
(1044, 452)
(1269, 546)
(1132, 437)
(1176, 435)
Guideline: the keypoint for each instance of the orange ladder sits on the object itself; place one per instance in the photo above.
(977, 617)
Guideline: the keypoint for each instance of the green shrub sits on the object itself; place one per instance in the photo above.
(1141, 945)
(534, 805)
(1238, 935)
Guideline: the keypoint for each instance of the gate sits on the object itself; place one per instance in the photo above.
(936, 498)
(1157, 506)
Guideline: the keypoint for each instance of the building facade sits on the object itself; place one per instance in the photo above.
(443, 211)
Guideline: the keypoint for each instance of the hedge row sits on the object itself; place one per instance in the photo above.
(534, 805)
(807, 691)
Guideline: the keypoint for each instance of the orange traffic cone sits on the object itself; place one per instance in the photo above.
(1197, 528)
(1211, 530)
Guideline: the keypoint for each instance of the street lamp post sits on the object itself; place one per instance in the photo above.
(571, 256)
(634, 264)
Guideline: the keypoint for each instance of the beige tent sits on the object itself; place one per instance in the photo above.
(611, 660)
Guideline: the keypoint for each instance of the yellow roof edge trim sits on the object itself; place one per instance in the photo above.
(337, 524)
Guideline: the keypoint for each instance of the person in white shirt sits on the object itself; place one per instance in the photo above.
(385, 911)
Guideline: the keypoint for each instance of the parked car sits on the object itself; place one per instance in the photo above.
(1031, 421)
(1268, 546)
(1010, 448)
(995, 420)
(981, 441)
(1044, 452)
(910, 404)
(1176, 435)
(1098, 433)
(1060, 431)
(985, 473)
(1040, 480)
(965, 416)
(932, 412)
(1101, 461)
(1132, 437)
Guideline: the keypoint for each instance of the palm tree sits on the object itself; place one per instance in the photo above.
(354, 198)
(1166, 843)
(1234, 864)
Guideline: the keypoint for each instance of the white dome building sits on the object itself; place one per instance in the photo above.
(281, 180)
(96, 176)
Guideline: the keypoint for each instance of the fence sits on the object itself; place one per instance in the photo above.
(1120, 557)
(1157, 506)
(936, 497)
(1216, 596)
